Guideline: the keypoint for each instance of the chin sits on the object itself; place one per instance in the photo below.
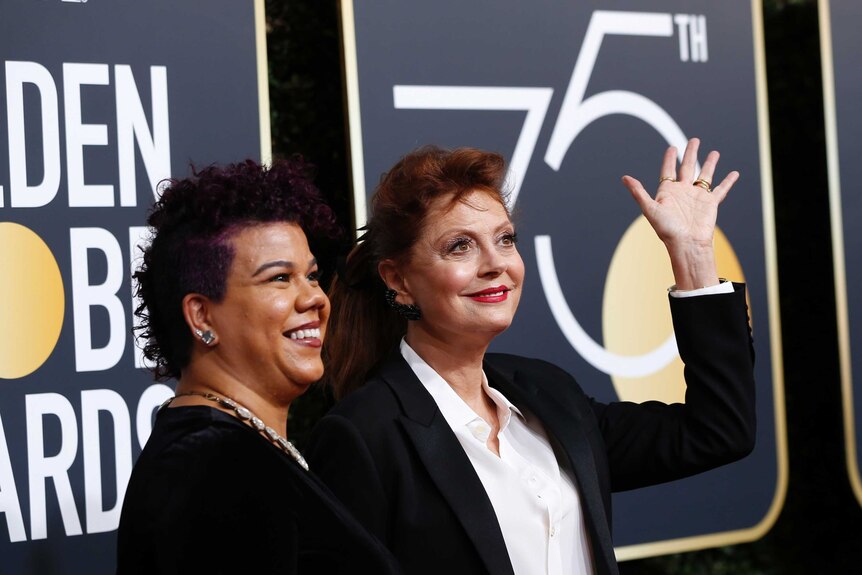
(309, 379)
(502, 323)
(492, 328)
(304, 378)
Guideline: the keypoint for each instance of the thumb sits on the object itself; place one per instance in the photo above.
(638, 192)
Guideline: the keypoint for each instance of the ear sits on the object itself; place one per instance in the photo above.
(390, 273)
(196, 310)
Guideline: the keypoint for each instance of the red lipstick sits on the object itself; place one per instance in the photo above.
(491, 295)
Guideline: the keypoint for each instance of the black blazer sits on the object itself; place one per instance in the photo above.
(389, 454)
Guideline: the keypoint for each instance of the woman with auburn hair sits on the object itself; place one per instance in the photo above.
(468, 462)
(232, 309)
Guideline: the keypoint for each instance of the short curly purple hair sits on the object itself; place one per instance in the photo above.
(190, 250)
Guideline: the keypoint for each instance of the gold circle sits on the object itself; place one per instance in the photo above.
(635, 314)
(32, 301)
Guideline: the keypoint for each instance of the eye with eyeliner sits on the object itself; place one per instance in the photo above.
(509, 239)
(459, 244)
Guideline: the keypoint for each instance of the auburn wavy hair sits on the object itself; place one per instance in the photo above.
(363, 329)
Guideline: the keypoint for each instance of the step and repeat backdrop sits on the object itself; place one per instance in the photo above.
(99, 101)
(575, 95)
(840, 47)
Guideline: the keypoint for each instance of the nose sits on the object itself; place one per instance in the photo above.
(493, 263)
(310, 297)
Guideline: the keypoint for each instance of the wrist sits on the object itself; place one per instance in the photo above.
(693, 265)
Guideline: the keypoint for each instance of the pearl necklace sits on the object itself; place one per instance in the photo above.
(246, 416)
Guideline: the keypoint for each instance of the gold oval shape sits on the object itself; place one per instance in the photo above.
(635, 314)
(32, 301)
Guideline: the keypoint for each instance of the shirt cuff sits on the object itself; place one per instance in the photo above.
(723, 286)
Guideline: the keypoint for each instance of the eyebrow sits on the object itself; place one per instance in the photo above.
(466, 231)
(281, 264)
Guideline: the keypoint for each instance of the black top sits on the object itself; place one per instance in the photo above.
(211, 495)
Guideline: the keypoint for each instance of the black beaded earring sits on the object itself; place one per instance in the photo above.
(410, 312)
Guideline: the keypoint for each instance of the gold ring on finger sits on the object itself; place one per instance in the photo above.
(666, 178)
(705, 184)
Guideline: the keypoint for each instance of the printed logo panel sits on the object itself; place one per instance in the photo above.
(99, 102)
(575, 96)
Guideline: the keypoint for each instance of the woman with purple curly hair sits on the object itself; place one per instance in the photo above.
(232, 309)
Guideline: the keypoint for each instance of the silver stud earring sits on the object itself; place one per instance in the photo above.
(206, 336)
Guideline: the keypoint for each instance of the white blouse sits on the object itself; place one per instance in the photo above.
(537, 505)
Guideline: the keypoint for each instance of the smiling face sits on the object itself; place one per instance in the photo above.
(272, 319)
(464, 272)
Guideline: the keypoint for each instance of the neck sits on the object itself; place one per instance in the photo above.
(459, 364)
(198, 379)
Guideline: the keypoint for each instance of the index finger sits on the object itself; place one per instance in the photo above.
(720, 191)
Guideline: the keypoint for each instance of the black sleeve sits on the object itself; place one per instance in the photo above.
(653, 442)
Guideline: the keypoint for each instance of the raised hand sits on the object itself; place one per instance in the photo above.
(684, 212)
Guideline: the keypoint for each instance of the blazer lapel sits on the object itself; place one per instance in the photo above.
(566, 427)
(447, 464)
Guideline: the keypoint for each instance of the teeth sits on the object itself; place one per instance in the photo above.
(306, 333)
(494, 294)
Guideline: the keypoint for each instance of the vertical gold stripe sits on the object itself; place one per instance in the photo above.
(771, 250)
(354, 127)
(262, 82)
(838, 254)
